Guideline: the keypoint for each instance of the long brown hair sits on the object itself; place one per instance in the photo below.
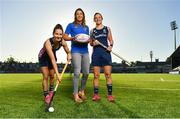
(83, 20)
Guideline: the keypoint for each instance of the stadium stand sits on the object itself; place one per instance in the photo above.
(175, 61)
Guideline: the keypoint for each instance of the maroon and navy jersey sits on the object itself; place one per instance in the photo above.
(43, 53)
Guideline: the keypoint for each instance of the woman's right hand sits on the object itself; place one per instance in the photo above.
(72, 38)
(95, 43)
(58, 77)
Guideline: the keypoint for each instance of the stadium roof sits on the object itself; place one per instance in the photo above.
(176, 53)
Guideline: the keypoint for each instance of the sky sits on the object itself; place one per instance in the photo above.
(138, 26)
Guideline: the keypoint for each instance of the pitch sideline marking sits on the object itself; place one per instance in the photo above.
(160, 89)
(161, 79)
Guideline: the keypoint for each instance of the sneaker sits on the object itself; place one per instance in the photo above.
(96, 97)
(110, 98)
(47, 99)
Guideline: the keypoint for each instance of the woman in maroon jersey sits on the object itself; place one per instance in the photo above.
(47, 60)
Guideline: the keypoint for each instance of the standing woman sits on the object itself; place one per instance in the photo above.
(47, 60)
(101, 57)
(80, 54)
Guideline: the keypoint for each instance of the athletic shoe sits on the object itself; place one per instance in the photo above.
(110, 98)
(47, 99)
(96, 97)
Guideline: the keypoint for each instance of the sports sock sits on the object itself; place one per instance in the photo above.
(109, 88)
(96, 89)
(51, 88)
(45, 93)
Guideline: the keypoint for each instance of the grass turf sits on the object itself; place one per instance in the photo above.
(137, 95)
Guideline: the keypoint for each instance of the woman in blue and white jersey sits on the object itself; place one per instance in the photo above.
(80, 54)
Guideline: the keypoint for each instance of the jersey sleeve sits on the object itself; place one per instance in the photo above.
(88, 30)
(68, 29)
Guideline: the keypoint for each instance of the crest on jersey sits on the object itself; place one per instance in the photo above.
(104, 31)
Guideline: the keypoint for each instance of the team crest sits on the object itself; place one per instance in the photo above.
(104, 31)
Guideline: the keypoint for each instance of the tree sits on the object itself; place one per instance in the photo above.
(10, 60)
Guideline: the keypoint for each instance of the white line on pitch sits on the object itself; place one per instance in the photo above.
(161, 79)
(160, 89)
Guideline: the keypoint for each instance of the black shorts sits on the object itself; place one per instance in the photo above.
(43, 62)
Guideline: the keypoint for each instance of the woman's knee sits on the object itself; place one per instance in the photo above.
(96, 76)
(51, 76)
(76, 75)
(85, 75)
(45, 77)
(107, 75)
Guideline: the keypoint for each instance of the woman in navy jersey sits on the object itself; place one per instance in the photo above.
(101, 57)
(80, 54)
(47, 60)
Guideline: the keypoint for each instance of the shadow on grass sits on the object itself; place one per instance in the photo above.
(128, 112)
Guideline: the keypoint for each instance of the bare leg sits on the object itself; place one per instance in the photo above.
(52, 72)
(96, 71)
(107, 73)
(45, 73)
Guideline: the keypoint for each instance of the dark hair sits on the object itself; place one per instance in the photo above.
(99, 14)
(58, 26)
(83, 20)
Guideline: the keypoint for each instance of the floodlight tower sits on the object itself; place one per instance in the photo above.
(174, 27)
(151, 55)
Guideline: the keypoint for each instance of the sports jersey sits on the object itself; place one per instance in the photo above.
(100, 56)
(44, 59)
(101, 35)
(73, 30)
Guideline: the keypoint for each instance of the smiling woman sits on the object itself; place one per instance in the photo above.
(80, 53)
(47, 60)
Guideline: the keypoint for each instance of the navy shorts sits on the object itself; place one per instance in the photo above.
(43, 62)
(101, 59)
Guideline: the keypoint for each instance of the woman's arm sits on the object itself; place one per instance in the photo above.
(52, 57)
(67, 38)
(91, 37)
(110, 39)
(66, 49)
(92, 40)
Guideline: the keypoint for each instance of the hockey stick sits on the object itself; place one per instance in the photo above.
(113, 53)
(57, 83)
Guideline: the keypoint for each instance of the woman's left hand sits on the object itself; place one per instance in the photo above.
(69, 57)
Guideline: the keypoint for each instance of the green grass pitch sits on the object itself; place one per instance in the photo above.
(137, 95)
